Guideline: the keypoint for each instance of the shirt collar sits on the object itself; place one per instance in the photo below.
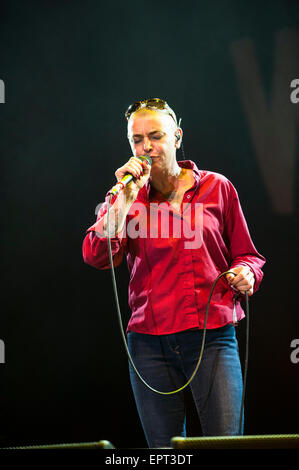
(189, 164)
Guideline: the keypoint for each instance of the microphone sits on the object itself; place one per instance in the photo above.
(128, 177)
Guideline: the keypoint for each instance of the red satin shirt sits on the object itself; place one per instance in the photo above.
(171, 276)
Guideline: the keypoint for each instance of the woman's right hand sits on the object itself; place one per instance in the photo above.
(140, 169)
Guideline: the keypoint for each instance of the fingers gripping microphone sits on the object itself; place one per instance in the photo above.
(128, 177)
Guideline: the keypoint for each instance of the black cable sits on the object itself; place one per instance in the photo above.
(182, 145)
(245, 362)
(204, 329)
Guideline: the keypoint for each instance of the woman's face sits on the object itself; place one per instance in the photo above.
(152, 133)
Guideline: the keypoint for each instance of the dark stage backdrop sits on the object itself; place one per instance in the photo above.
(68, 70)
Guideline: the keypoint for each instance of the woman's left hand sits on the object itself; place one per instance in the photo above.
(243, 281)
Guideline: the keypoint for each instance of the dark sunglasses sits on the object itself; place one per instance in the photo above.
(155, 103)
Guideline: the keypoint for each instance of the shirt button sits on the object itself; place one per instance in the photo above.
(188, 197)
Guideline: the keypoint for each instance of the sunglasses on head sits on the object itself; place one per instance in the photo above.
(153, 103)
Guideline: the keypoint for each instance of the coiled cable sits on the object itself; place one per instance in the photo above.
(171, 392)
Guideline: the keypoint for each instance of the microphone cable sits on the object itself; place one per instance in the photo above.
(171, 392)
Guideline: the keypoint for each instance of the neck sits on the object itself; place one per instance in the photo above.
(168, 179)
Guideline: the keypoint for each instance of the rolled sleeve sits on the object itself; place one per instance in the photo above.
(95, 245)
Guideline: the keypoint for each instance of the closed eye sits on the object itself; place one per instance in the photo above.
(153, 136)
(157, 136)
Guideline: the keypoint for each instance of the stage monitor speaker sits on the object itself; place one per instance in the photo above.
(79, 445)
(266, 441)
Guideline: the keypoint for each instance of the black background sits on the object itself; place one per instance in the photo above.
(70, 69)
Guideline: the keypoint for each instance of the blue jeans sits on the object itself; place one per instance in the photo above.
(166, 362)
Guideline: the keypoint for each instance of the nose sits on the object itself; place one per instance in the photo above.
(147, 145)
